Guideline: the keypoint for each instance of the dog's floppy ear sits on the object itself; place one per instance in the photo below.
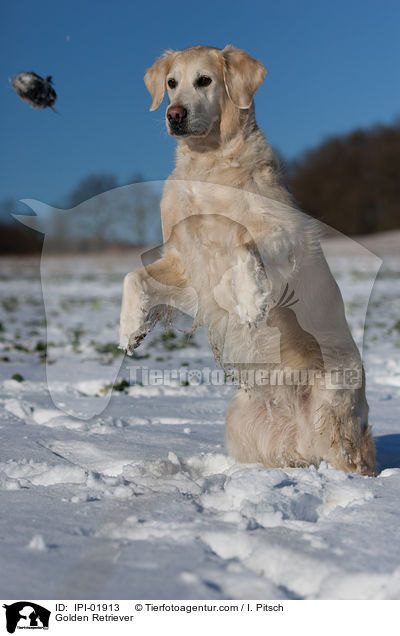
(243, 75)
(155, 78)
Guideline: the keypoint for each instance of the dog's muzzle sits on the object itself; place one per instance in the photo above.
(177, 120)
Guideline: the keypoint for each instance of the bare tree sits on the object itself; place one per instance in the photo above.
(7, 208)
(146, 211)
(103, 213)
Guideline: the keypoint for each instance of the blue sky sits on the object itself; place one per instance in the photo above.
(332, 66)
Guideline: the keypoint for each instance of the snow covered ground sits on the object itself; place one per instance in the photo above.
(141, 500)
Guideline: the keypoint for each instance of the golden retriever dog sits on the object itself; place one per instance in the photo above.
(245, 262)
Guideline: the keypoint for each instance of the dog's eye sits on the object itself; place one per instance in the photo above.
(203, 81)
(172, 83)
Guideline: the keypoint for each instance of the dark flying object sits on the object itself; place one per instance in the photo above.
(35, 90)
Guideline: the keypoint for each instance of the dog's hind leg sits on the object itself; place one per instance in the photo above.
(341, 432)
(261, 427)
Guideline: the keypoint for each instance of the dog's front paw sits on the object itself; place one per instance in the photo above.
(129, 340)
(253, 314)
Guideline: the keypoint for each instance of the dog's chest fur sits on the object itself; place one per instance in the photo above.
(235, 183)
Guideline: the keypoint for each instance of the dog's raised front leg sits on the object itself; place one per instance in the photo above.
(251, 288)
(162, 283)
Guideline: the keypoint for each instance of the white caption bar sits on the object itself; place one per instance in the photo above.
(176, 617)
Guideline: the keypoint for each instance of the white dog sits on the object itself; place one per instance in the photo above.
(244, 261)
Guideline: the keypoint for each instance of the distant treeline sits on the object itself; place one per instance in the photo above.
(351, 183)
(98, 214)
(17, 239)
(119, 215)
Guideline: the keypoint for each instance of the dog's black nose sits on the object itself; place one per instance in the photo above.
(176, 114)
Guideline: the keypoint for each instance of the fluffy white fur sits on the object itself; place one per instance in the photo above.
(244, 261)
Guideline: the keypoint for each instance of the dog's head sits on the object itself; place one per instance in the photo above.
(204, 85)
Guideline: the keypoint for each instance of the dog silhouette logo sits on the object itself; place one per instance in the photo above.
(26, 615)
(304, 350)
